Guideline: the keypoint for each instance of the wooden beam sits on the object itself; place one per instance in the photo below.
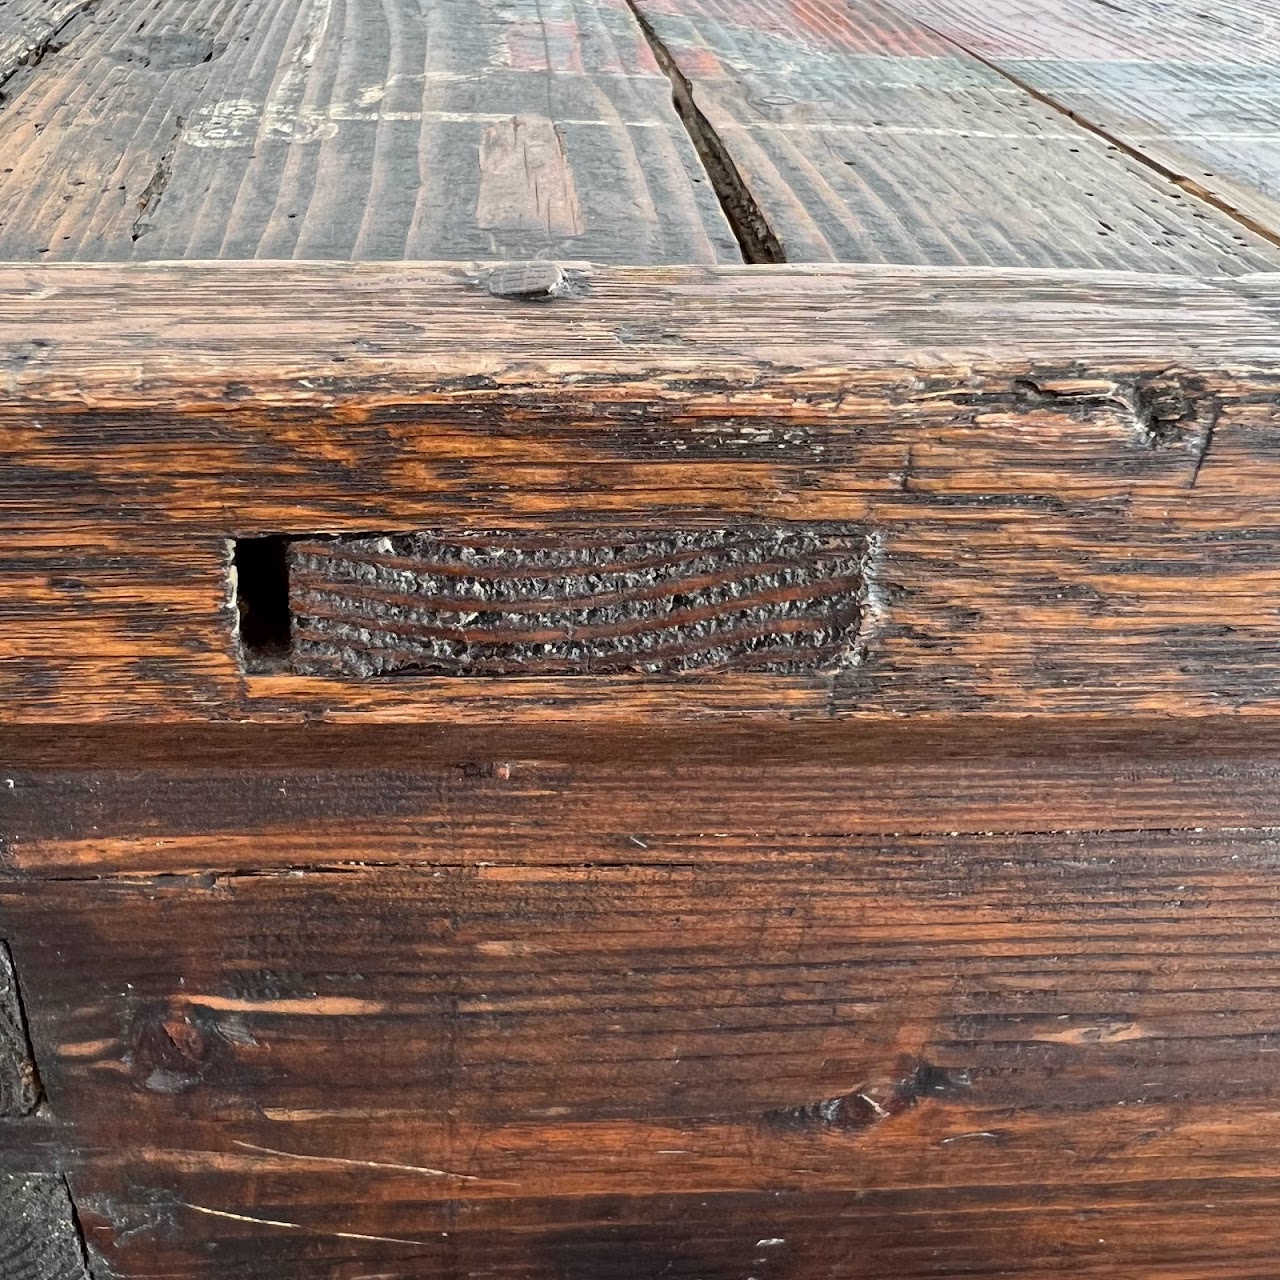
(1037, 464)
(1185, 88)
(316, 129)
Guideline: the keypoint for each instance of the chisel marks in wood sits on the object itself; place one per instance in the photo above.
(560, 603)
(19, 1083)
(39, 1237)
(526, 181)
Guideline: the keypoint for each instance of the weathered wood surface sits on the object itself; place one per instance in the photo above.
(1039, 464)
(863, 136)
(19, 1084)
(31, 29)
(39, 1238)
(1190, 87)
(761, 966)
(323, 129)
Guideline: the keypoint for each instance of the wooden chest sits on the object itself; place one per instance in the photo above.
(639, 639)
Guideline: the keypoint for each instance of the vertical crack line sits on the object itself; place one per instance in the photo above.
(20, 1089)
(1179, 180)
(755, 236)
(149, 201)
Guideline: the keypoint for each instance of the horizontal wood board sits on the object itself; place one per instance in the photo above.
(1063, 479)
(326, 129)
(457, 973)
(863, 136)
(1192, 88)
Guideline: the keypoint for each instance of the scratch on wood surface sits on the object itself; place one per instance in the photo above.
(320, 1007)
(297, 1226)
(425, 1170)
(526, 180)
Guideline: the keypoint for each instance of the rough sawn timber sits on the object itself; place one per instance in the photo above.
(925, 998)
(1189, 88)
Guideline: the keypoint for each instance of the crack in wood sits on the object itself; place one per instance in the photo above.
(20, 1091)
(154, 191)
(756, 238)
(51, 42)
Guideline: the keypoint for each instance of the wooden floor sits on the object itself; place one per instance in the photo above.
(639, 639)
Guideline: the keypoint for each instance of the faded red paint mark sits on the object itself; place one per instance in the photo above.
(545, 46)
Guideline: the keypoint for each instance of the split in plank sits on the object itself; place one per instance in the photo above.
(1034, 464)
(862, 136)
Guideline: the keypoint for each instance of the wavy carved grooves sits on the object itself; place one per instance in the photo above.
(19, 1084)
(39, 1238)
(486, 604)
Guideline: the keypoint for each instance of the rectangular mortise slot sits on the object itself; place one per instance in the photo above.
(783, 599)
(261, 577)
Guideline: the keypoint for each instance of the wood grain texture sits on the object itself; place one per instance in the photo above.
(19, 1084)
(437, 1066)
(1193, 88)
(1026, 450)
(39, 1239)
(148, 801)
(334, 130)
(32, 29)
(863, 136)
(592, 602)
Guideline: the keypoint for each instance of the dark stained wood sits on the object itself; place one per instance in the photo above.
(944, 946)
(160, 801)
(328, 129)
(591, 602)
(1024, 454)
(1190, 87)
(948, 1033)
(19, 1084)
(863, 136)
(38, 1235)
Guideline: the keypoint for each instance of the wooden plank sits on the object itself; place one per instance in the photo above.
(32, 29)
(149, 803)
(469, 128)
(950, 1025)
(1190, 87)
(1197, 1230)
(38, 1235)
(1022, 454)
(862, 136)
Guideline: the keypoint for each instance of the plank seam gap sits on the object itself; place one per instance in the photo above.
(1181, 181)
(756, 238)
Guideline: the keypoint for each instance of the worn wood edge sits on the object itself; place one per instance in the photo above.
(321, 335)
